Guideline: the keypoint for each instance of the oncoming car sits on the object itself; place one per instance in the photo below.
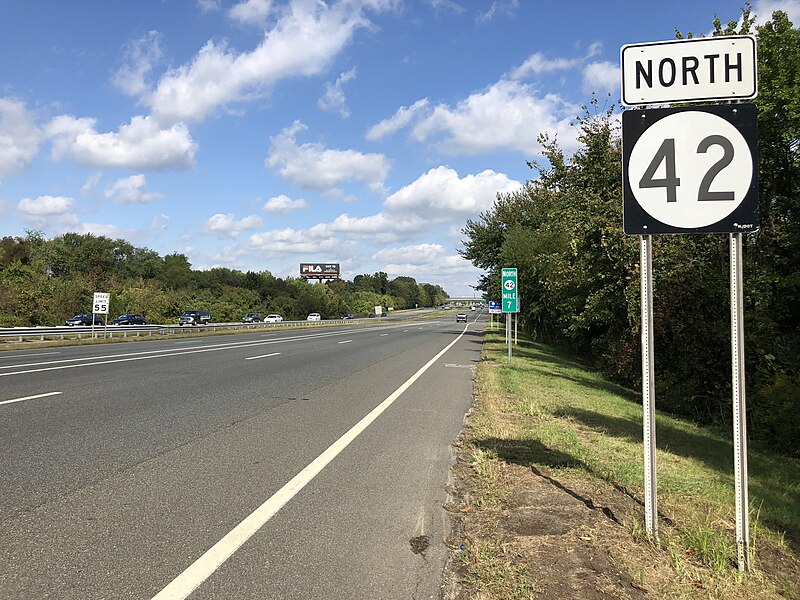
(252, 317)
(461, 318)
(84, 319)
(273, 319)
(194, 317)
(314, 317)
(129, 319)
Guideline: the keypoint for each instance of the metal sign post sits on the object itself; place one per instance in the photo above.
(516, 322)
(739, 413)
(648, 386)
(508, 335)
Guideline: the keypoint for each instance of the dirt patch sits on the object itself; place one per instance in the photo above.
(565, 537)
(556, 531)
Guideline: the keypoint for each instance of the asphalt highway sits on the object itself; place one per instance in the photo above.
(284, 464)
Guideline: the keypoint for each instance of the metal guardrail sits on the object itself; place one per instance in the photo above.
(79, 332)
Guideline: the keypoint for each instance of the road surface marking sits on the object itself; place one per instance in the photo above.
(27, 355)
(201, 569)
(383, 334)
(31, 397)
(263, 356)
(144, 355)
(345, 342)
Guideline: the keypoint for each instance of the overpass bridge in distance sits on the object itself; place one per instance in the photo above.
(464, 301)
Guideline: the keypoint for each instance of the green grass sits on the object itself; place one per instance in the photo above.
(561, 416)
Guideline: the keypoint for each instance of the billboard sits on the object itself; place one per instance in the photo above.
(319, 270)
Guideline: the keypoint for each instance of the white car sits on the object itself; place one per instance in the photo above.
(273, 319)
(314, 317)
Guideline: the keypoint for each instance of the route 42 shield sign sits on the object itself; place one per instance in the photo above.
(690, 170)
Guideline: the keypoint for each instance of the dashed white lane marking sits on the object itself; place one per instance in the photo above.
(345, 341)
(31, 397)
(201, 569)
(383, 334)
(263, 356)
(26, 355)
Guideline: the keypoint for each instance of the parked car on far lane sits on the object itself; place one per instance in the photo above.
(84, 319)
(129, 319)
(273, 318)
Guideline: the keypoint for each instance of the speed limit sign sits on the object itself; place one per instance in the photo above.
(100, 303)
(690, 170)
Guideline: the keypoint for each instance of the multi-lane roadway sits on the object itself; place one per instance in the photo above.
(283, 464)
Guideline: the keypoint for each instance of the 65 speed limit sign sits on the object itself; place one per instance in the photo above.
(690, 170)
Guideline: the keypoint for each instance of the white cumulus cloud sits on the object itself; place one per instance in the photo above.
(304, 41)
(334, 98)
(251, 12)
(313, 166)
(45, 206)
(417, 254)
(601, 78)
(441, 195)
(225, 225)
(140, 57)
(400, 119)
(283, 204)
(293, 241)
(50, 213)
(507, 115)
(142, 144)
(19, 137)
(130, 190)
(207, 6)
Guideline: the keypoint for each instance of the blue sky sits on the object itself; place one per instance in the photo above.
(259, 134)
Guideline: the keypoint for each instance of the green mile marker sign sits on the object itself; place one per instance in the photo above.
(510, 301)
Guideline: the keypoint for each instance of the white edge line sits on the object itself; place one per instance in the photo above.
(201, 569)
(263, 356)
(31, 397)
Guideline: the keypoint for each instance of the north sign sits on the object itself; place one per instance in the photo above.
(715, 68)
(690, 170)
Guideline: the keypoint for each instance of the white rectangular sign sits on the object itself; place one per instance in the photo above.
(716, 68)
(100, 303)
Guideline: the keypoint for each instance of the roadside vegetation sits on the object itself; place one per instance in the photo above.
(45, 281)
(548, 498)
(579, 273)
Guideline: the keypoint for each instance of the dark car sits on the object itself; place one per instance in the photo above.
(195, 317)
(85, 319)
(461, 318)
(252, 318)
(347, 316)
(129, 319)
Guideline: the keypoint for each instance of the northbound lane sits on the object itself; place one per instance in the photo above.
(118, 484)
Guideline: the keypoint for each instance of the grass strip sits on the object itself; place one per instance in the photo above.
(548, 414)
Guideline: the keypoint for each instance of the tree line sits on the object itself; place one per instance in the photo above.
(579, 273)
(45, 281)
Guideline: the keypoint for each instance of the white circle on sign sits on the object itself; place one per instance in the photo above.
(690, 169)
(509, 284)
